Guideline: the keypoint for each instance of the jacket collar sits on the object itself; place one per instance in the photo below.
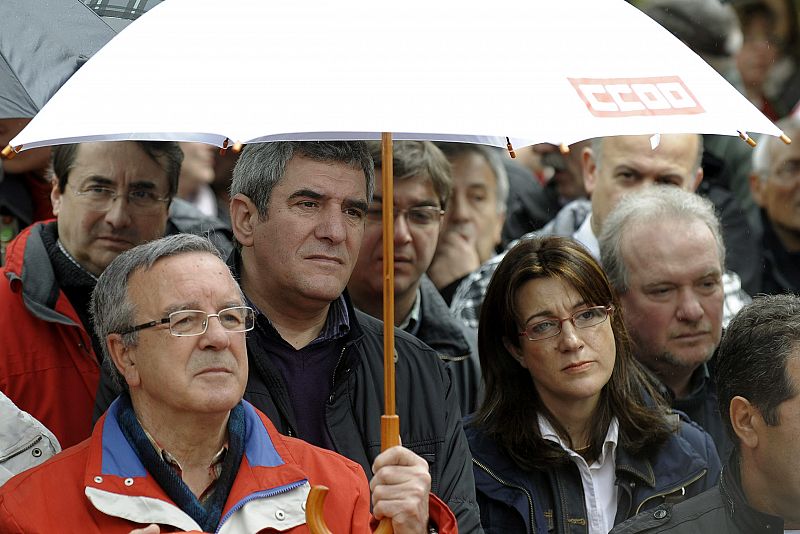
(117, 483)
(438, 328)
(29, 268)
(748, 519)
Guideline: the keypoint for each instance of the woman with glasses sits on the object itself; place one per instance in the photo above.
(572, 435)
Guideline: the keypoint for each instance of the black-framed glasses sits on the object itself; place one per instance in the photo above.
(101, 198)
(551, 326)
(195, 322)
(421, 216)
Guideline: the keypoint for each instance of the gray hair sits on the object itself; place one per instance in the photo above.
(492, 157)
(763, 152)
(111, 308)
(657, 203)
(597, 150)
(751, 359)
(261, 166)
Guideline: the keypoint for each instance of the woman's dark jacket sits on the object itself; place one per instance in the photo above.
(514, 500)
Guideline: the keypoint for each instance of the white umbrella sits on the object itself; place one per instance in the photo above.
(242, 71)
(249, 70)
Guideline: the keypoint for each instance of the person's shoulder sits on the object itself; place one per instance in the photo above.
(373, 329)
(324, 463)
(699, 515)
(62, 473)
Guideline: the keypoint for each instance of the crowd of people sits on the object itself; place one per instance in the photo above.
(597, 338)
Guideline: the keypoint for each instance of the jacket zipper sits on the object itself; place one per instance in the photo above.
(259, 495)
(672, 490)
(330, 398)
(510, 485)
(19, 451)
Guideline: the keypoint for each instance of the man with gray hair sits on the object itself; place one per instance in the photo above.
(758, 375)
(179, 448)
(473, 222)
(298, 211)
(775, 186)
(664, 255)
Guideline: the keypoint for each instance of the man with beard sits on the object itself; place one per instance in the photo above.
(664, 255)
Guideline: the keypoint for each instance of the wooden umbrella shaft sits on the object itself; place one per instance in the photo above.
(390, 423)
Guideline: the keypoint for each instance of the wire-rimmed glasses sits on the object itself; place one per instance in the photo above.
(551, 326)
(100, 198)
(422, 216)
(195, 322)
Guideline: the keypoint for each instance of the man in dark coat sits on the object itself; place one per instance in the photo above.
(775, 184)
(758, 372)
(664, 254)
(421, 190)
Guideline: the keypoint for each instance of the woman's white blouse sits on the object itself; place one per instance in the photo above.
(599, 479)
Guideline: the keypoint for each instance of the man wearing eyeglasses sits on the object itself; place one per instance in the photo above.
(775, 185)
(179, 449)
(108, 198)
(422, 187)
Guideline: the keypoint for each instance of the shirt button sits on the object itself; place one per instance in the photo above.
(98, 479)
(280, 515)
(660, 514)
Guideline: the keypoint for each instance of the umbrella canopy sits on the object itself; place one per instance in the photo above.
(43, 43)
(248, 71)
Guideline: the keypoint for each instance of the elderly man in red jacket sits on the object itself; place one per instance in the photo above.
(179, 448)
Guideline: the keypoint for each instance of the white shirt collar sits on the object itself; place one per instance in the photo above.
(609, 445)
(585, 236)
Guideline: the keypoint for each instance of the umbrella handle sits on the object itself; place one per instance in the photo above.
(314, 516)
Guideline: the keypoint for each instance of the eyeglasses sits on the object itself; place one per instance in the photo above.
(195, 322)
(421, 216)
(551, 326)
(788, 173)
(99, 198)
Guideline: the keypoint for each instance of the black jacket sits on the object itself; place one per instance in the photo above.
(702, 407)
(456, 344)
(426, 401)
(542, 501)
(721, 510)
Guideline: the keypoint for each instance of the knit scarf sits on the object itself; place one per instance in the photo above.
(207, 516)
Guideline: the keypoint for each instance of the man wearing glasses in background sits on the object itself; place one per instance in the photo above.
(422, 187)
(775, 184)
(179, 449)
(108, 198)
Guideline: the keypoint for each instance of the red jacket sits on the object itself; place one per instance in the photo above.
(47, 365)
(101, 486)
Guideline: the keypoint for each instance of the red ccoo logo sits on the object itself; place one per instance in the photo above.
(627, 97)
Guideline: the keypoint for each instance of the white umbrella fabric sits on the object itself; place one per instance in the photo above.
(248, 71)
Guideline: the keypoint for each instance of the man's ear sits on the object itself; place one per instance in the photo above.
(515, 351)
(55, 195)
(698, 177)
(757, 189)
(746, 421)
(589, 167)
(124, 359)
(244, 217)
